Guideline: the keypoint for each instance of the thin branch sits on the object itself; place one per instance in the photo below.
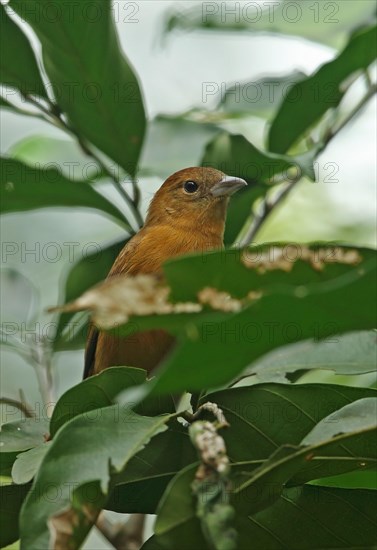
(20, 405)
(132, 203)
(136, 192)
(42, 365)
(266, 208)
(368, 78)
(123, 536)
(54, 117)
(335, 131)
(24, 112)
(268, 205)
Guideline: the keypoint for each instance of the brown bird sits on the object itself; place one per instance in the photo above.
(187, 214)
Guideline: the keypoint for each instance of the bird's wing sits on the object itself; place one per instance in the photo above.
(90, 351)
(144, 253)
(123, 264)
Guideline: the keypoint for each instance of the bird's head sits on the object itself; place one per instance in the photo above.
(194, 197)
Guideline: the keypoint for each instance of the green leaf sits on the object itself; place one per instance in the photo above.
(296, 465)
(239, 210)
(176, 519)
(140, 487)
(18, 65)
(64, 154)
(151, 544)
(253, 491)
(264, 484)
(74, 460)
(317, 517)
(177, 525)
(295, 305)
(272, 268)
(272, 415)
(20, 436)
(27, 464)
(24, 188)
(360, 415)
(92, 81)
(11, 499)
(95, 393)
(350, 354)
(81, 277)
(363, 479)
(234, 154)
(311, 98)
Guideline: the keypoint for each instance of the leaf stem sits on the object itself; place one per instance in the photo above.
(54, 117)
(268, 205)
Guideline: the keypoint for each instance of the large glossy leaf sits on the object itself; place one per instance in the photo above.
(81, 277)
(18, 65)
(296, 305)
(177, 523)
(272, 268)
(352, 432)
(360, 415)
(99, 391)
(11, 499)
(253, 492)
(262, 419)
(140, 487)
(349, 354)
(309, 99)
(266, 416)
(92, 81)
(86, 451)
(25, 187)
(317, 517)
(258, 489)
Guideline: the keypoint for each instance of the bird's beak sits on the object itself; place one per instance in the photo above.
(227, 186)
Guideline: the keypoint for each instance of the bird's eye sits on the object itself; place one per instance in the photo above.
(190, 186)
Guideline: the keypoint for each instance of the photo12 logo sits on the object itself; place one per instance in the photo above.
(271, 12)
